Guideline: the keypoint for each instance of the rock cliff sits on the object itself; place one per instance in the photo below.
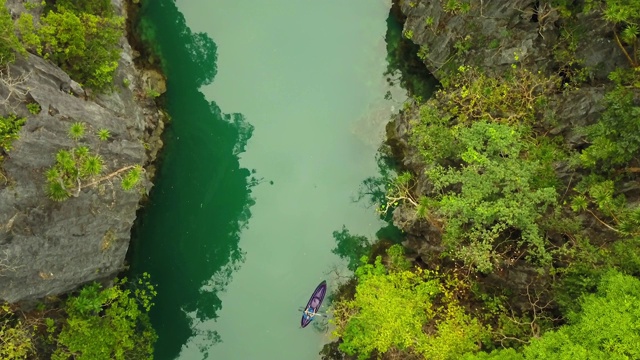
(48, 247)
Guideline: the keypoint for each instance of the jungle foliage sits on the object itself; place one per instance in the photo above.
(94, 324)
(536, 233)
(82, 37)
(394, 303)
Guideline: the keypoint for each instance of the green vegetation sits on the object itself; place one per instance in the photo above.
(490, 194)
(96, 323)
(9, 128)
(615, 139)
(9, 42)
(104, 134)
(108, 324)
(15, 336)
(79, 168)
(606, 327)
(34, 108)
(152, 93)
(492, 174)
(393, 305)
(82, 37)
(528, 226)
(457, 6)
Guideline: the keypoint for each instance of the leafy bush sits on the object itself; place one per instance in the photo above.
(606, 327)
(108, 323)
(615, 138)
(28, 33)
(9, 128)
(491, 195)
(94, 7)
(9, 43)
(34, 108)
(513, 98)
(493, 175)
(15, 336)
(83, 44)
(392, 307)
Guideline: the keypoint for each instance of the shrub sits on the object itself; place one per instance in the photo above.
(28, 33)
(94, 7)
(393, 306)
(9, 43)
(615, 138)
(34, 108)
(83, 44)
(15, 336)
(9, 128)
(108, 323)
(491, 197)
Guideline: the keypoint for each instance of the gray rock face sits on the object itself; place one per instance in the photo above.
(48, 247)
(493, 33)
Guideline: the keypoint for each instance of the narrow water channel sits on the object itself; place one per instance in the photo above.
(278, 108)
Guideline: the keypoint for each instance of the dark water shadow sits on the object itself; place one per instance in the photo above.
(187, 235)
(403, 64)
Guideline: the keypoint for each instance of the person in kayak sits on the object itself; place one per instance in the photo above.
(310, 312)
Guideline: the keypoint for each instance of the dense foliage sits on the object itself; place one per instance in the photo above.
(492, 174)
(96, 323)
(109, 324)
(15, 336)
(392, 306)
(9, 42)
(82, 37)
(531, 221)
(492, 192)
(606, 327)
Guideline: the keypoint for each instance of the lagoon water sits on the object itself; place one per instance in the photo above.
(278, 108)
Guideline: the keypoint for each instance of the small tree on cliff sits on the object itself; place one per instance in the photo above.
(78, 168)
(9, 43)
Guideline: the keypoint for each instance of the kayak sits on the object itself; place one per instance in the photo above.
(313, 305)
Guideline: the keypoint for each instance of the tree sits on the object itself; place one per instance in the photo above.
(606, 327)
(391, 308)
(494, 192)
(108, 323)
(84, 45)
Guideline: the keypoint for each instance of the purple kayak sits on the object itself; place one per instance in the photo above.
(314, 304)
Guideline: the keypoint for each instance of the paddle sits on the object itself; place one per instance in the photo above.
(318, 313)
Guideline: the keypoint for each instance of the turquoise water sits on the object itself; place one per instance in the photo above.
(277, 110)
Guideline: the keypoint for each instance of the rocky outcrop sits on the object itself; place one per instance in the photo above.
(495, 34)
(48, 247)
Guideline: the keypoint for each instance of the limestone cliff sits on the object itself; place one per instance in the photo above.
(48, 247)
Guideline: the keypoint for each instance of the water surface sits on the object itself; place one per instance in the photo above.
(278, 109)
